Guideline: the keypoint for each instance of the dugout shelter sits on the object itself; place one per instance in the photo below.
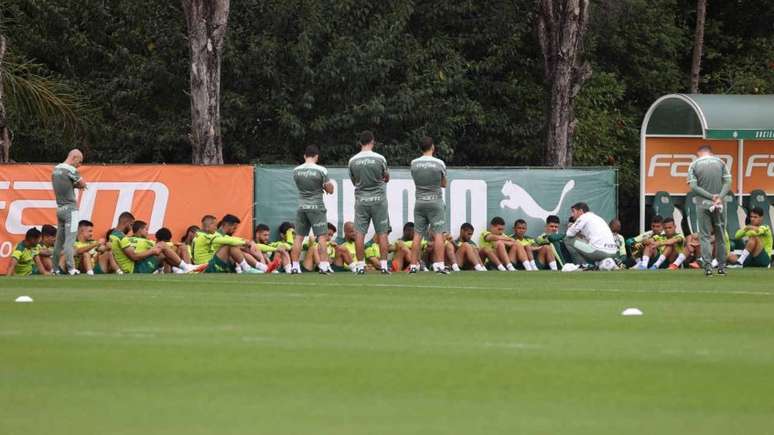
(740, 129)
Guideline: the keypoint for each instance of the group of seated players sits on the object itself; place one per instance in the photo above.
(212, 248)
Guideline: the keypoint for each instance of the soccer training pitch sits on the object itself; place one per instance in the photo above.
(492, 353)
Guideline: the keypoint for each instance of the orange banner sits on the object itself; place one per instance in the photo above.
(667, 161)
(172, 196)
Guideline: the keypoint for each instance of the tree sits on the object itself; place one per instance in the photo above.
(562, 27)
(5, 137)
(698, 44)
(207, 21)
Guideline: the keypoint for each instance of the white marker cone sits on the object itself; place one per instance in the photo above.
(631, 312)
(24, 299)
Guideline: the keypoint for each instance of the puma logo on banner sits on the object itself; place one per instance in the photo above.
(518, 198)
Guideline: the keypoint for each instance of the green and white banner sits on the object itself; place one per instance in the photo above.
(473, 195)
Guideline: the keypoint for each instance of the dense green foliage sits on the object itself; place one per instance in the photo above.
(470, 353)
(295, 72)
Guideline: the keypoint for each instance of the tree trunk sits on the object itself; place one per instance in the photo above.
(5, 136)
(698, 45)
(206, 21)
(562, 26)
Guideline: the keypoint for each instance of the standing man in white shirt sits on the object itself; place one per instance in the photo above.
(589, 239)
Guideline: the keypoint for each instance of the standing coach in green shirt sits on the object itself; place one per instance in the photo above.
(710, 180)
(65, 179)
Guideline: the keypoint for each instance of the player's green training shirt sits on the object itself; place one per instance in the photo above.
(427, 172)
(63, 180)
(763, 233)
(221, 239)
(310, 179)
(710, 175)
(24, 256)
(367, 171)
(124, 262)
(202, 247)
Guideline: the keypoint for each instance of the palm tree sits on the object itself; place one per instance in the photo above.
(26, 93)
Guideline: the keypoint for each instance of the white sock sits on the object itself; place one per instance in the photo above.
(296, 266)
(480, 268)
(679, 260)
(238, 268)
(287, 268)
(89, 272)
(502, 268)
(661, 259)
(509, 267)
(715, 262)
(744, 256)
(437, 266)
(383, 264)
(553, 265)
(353, 266)
(527, 265)
(644, 261)
(260, 266)
(455, 267)
(324, 265)
(534, 265)
(243, 264)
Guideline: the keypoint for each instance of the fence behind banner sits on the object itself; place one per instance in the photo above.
(172, 196)
(473, 195)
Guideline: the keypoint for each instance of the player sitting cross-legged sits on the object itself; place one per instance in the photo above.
(149, 256)
(274, 251)
(757, 249)
(467, 253)
(643, 246)
(225, 250)
(345, 258)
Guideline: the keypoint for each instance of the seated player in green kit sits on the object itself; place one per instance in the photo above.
(224, 251)
(23, 255)
(669, 246)
(468, 256)
(757, 249)
(116, 235)
(345, 258)
(148, 256)
(87, 251)
(44, 260)
(538, 256)
(496, 247)
(274, 251)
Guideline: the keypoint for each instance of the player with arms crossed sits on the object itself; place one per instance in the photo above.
(65, 179)
(710, 180)
(311, 181)
(369, 174)
(429, 174)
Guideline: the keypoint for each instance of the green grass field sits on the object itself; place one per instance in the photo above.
(473, 353)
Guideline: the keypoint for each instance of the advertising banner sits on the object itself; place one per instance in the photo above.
(473, 195)
(172, 196)
(667, 160)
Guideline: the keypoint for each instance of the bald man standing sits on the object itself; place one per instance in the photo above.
(65, 180)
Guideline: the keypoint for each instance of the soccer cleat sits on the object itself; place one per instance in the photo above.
(73, 272)
(673, 266)
(708, 272)
(326, 271)
(413, 269)
(654, 267)
(90, 272)
(295, 272)
(734, 266)
(694, 265)
(252, 271)
(722, 271)
(274, 265)
(442, 271)
(385, 272)
(360, 271)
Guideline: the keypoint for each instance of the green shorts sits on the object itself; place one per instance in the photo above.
(760, 260)
(340, 268)
(429, 217)
(376, 212)
(98, 270)
(148, 265)
(314, 219)
(35, 271)
(216, 265)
